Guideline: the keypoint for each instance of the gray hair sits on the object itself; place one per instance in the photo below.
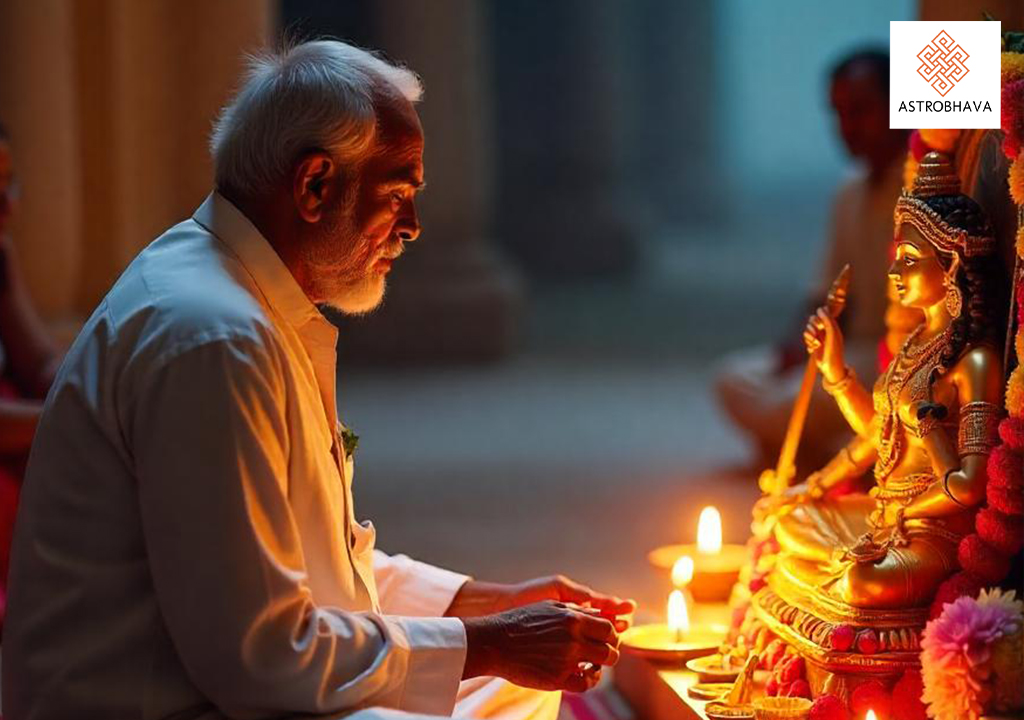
(319, 94)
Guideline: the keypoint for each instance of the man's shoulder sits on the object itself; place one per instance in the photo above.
(185, 289)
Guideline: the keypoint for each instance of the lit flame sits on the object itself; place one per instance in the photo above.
(709, 531)
(682, 571)
(870, 715)
(678, 617)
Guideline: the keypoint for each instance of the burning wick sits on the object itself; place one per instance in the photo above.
(682, 571)
(709, 531)
(870, 715)
(678, 617)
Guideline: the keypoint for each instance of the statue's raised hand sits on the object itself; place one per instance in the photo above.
(824, 341)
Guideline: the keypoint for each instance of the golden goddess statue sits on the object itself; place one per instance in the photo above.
(927, 426)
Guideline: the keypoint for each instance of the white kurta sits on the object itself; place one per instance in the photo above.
(186, 545)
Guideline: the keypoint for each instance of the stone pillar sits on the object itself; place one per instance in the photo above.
(154, 75)
(110, 104)
(452, 297)
(562, 122)
(39, 106)
(674, 165)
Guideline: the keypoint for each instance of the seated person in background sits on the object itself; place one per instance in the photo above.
(187, 544)
(757, 386)
(28, 361)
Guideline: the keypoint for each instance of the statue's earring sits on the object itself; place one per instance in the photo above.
(954, 298)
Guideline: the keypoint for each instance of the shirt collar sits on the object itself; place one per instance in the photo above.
(219, 216)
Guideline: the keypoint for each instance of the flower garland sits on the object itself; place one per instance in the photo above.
(985, 554)
(970, 658)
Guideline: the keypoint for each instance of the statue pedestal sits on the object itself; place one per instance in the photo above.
(804, 619)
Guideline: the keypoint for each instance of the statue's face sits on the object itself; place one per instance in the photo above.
(917, 271)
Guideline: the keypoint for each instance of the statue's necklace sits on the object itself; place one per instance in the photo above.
(907, 363)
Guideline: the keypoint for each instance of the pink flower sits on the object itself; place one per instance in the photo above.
(957, 649)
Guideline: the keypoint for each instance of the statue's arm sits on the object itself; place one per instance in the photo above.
(854, 401)
(850, 462)
(961, 464)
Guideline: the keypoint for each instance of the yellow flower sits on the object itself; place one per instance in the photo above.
(1012, 67)
(1015, 393)
(941, 140)
(1016, 180)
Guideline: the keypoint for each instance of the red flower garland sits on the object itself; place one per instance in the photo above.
(906, 697)
(960, 584)
(1003, 532)
(1011, 432)
(982, 560)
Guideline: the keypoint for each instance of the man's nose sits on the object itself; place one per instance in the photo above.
(408, 225)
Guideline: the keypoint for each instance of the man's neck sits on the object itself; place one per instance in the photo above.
(270, 217)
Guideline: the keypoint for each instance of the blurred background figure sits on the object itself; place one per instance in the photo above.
(757, 386)
(28, 362)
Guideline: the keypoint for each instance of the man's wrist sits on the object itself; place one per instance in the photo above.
(480, 646)
(476, 599)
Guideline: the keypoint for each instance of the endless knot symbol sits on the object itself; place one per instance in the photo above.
(942, 63)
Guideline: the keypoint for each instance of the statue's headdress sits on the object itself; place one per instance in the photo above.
(936, 176)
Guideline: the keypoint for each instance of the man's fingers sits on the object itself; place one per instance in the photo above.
(599, 654)
(598, 629)
(571, 591)
(611, 605)
(584, 679)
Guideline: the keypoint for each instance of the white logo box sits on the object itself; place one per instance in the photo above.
(944, 74)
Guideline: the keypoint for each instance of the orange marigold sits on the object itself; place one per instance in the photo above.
(1015, 393)
(1012, 66)
(941, 140)
(1016, 180)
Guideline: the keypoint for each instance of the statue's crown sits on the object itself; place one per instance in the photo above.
(937, 176)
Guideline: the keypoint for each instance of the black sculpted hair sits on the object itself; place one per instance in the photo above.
(981, 281)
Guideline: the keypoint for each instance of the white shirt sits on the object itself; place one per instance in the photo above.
(186, 545)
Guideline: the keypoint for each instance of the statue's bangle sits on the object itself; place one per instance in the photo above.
(947, 491)
(979, 428)
(840, 385)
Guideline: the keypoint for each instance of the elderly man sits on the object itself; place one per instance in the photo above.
(187, 545)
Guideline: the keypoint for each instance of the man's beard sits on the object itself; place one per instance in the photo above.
(343, 263)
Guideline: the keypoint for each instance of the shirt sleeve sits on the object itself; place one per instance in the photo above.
(210, 445)
(413, 588)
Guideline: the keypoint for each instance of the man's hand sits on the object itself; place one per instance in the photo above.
(481, 598)
(547, 646)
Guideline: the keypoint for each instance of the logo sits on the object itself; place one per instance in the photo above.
(943, 63)
(944, 75)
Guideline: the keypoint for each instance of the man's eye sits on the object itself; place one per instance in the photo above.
(396, 197)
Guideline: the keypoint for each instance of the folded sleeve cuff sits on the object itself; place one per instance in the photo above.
(419, 589)
(436, 651)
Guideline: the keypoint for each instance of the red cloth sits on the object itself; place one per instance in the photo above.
(12, 470)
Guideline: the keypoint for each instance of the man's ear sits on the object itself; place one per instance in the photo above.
(311, 184)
